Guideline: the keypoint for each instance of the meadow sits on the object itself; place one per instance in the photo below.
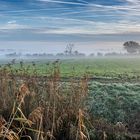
(120, 68)
(73, 99)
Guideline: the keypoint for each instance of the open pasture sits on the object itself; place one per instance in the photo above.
(116, 69)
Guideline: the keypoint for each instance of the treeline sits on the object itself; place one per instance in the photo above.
(50, 55)
(131, 47)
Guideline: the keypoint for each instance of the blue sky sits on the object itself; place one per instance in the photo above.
(90, 21)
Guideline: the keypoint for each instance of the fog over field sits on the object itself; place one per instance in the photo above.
(58, 47)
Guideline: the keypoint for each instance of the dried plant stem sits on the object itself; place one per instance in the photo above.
(39, 130)
(53, 122)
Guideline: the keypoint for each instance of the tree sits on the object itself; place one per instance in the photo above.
(69, 49)
(99, 54)
(131, 47)
(92, 54)
(76, 53)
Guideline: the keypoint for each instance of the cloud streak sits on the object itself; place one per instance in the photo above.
(82, 17)
(80, 3)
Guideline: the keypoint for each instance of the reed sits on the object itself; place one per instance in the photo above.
(41, 108)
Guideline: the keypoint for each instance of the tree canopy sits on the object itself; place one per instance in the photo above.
(132, 47)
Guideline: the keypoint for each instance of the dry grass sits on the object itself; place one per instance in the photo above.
(41, 109)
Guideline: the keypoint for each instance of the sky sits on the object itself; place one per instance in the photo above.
(49, 25)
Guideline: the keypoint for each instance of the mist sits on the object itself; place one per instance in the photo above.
(31, 47)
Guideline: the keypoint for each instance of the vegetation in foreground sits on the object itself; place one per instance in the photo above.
(39, 108)
(42, 108)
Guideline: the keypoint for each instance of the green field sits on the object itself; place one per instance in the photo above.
(102, 67)
(122, 68)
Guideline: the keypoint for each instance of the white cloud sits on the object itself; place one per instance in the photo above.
(133, 1)
(64, 2)
(94, 28)
(12, 22)
(12, 25)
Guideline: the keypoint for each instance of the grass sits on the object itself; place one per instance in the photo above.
(47, 108)
(115, 102)
(101, 67)
(32, 108)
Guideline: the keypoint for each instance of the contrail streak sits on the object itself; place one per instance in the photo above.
(65, 2)
(34, 10)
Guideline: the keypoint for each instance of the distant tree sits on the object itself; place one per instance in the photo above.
(13, 61)
(59, 54)
(69, 49)
(76, 53)
(99, 54)
(112, 54)
(92, 54)
(65, 52)
(81, 55)
(14, 54)
(132, 47)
